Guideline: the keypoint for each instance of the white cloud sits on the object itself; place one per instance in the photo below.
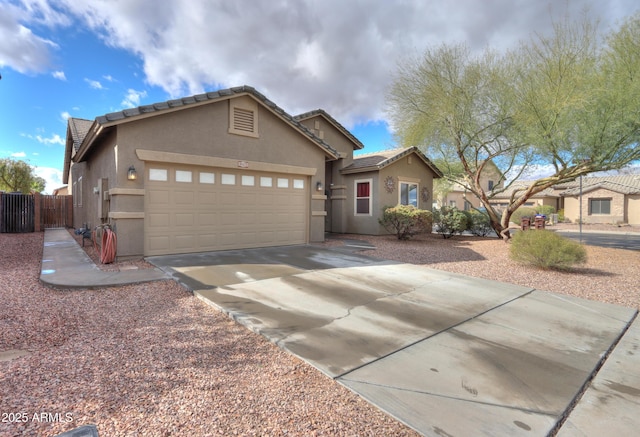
(59, 75)
(133, 97)
(21, 49)
(108, 78)
(333, 54)
(96, 85)
(18, 155)
(52, 176)
(65, 115)
(53, 139)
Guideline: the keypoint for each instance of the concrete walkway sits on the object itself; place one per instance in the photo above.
(66, 265)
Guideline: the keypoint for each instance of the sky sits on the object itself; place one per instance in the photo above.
(86, 58)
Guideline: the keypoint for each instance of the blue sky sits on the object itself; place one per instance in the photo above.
(70, 58)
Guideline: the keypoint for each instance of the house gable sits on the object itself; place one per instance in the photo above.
(149, 111)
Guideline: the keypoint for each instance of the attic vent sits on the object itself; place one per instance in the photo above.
(243, 117)
(243, 120)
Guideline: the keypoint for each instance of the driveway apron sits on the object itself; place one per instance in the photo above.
(445, 354)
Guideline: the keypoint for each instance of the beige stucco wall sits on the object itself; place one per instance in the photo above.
(633, 209)
(458, 195)
(335, 185)
(409, 169)
(572, 207)
(199, 131)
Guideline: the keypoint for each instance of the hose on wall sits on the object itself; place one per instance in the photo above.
(105, 243)
(108, 249)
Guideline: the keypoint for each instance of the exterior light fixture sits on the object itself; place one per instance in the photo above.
(132, 175)
(319, 186)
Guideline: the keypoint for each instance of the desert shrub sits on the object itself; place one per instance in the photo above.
(561, 216)
(545, 210)
(406, 220)
(478, 223)
(523, 211)
(449, 221)
(546, 250)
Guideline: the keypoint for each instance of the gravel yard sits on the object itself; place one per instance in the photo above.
(152, 360)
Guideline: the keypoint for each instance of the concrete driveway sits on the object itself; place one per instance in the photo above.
(444, 353)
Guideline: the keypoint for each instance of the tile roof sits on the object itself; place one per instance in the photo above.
(625, 184)
(333, 121)
(378, 160)
(79, 128)
(114, 118)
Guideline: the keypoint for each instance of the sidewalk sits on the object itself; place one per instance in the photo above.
(66, 265)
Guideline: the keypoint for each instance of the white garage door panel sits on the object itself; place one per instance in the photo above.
(200, 216)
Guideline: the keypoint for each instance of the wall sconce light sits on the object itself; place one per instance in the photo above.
(319, 186)
(132, 175)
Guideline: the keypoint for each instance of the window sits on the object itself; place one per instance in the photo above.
(298, 184)
(228, 179)
(283, 183)
(80, 191)
(207, 178)
(409, 194)
(600, 206)
(490, 185)
(467, 205)
(248, 181)
(452, 203)
(158, 174)
(183, 176)
(266, 181)
(363, 197)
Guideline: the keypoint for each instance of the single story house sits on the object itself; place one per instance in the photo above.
(228, 170)
(605, 199)
(457, 196)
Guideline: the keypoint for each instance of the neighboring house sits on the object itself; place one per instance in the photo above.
(61, 191)
(491, 178)
(605, 199)
(225, 170)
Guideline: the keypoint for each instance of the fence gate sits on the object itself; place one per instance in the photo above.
(55, 211)
(17, 213)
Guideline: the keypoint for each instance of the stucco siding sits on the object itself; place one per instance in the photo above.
(633, 208)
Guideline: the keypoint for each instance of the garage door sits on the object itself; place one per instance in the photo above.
(198, 209)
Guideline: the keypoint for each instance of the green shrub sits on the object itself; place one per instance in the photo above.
(523, 211)
(546, 250)
(545, 210)
(561, 215)
(449, 221)
(406, 220)
(478, 223)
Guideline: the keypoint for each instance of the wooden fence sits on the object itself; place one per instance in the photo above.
(34, 212)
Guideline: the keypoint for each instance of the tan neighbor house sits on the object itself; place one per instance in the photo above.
(223, 170)
(491, 178)
(605, 199)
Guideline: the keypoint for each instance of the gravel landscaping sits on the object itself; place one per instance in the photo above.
(153, 360)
